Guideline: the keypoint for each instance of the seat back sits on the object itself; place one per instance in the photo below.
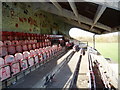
(20, 42)
(29, 46)
(18, 48)
(40, 44)
(26, 55)
(31, 41)
(18, 56)
(32, 53)
(3, 51)
(5, 72)
(11, 50)
(15, 67)
(24, 64)
(15, 42)
(26, 41)
(25, 48)
(37, 45)
(37, 51)
(7, 43)
(2, 62)
(34, 46)
(35, 41)
(1, 43)
(9, 59)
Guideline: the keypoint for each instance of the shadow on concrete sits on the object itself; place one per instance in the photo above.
(35, 76)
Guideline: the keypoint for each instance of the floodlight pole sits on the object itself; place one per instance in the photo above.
(94, 41)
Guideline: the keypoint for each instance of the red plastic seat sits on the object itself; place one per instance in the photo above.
(48, 43)
(11, 49)
(19, 48)
(15, 42)
(37, 51)
(12, 37)
(9, 59)
(26, 41)
(5, 72)
(37, 45)
(3, 38)
(31, 41)
(23, 62)
(18, 56)
(25, 48)
(26, 55)
(44, 54)
(20, 42)
(29, 47)
(7, 43)
(15, 66)
(37, 37)
(34, 55)
(35, 41)
(1, 43)
(5, 35)
(34, 46)
(29, 36)
(23, 36)
(41, 45)
(39, 54)
(48, 52)
(3, 50)
(2, 62)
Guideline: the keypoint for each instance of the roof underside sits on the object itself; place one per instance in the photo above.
(110, 17)
(95, 17)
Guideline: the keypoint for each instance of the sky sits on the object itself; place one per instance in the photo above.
(108, 35)
(76, 32)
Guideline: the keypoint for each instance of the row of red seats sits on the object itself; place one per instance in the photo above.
(6, 35)
(15, 46)
(11, 65)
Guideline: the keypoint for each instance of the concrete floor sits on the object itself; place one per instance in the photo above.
(33, 79)
(65, 73)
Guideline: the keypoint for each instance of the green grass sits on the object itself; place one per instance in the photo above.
(108, 50)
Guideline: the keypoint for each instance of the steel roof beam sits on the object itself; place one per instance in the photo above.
(57, 5)
(74, 8)
(98, 14)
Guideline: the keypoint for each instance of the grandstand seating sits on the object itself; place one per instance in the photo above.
(20, 51)
(23, 62)
(15, 67)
